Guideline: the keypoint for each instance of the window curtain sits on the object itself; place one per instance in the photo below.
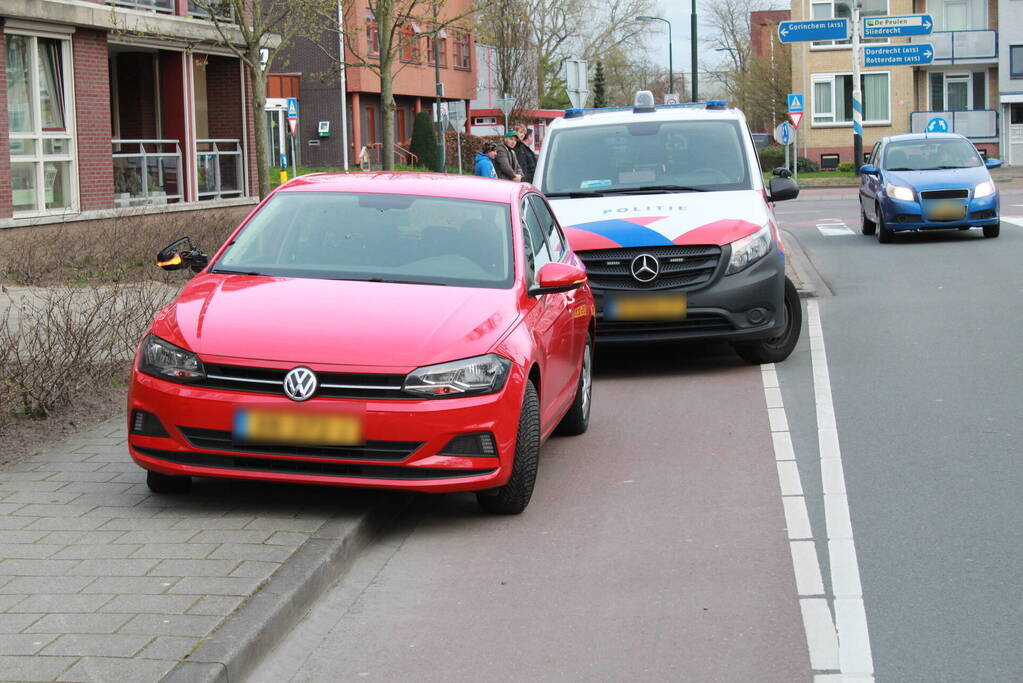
(51, 85)
(822, 101)
(937, 91)
(875, 97)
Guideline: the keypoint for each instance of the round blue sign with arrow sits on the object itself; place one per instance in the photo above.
(937, 125)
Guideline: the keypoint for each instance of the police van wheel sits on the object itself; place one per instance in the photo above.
(777, 349)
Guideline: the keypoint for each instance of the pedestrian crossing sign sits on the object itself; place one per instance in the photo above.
(795, 102)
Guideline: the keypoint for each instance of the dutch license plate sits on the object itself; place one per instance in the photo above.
(258, 425)
(947, 211)
(648, 307)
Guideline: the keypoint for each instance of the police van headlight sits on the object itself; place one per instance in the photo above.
(749, 250)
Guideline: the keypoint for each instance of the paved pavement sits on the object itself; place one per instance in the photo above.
(100, 580)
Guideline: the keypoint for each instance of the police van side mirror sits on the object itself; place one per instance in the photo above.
(782, 189)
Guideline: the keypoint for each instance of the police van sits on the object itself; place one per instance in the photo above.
(667, 207)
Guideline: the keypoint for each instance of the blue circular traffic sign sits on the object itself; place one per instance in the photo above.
(937, 125)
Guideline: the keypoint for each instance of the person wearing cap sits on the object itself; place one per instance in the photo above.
(506, 163)
(525, 154)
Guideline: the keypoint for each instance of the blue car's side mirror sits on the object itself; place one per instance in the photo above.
(993, 163)
(868, 169)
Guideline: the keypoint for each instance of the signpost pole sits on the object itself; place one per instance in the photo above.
(857, 93)
(795, 153)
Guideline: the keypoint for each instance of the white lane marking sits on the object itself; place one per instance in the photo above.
(1015, 220)
(821, 637)
(832, 229)
(850, 616)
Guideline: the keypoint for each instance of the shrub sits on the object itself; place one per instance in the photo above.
(771, 157)
(804, 165)
(424, 140)
(845, 167)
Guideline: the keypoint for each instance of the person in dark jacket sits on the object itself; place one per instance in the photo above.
(524, 152)
(485, 160)
(506, 163)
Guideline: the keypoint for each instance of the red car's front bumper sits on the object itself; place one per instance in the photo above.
(198, 421)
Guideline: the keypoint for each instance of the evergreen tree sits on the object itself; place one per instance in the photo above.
(599, 94)
(424, 140)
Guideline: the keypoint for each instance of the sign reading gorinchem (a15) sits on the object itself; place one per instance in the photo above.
(818, 29)
(890, 27)
(898, 55)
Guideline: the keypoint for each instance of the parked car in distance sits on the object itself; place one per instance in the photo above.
(927, 181)
(386, 330)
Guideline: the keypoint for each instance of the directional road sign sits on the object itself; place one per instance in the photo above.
(898, 55)
(820, 29)
(292, 113)
(937, 125)
(783, 133)
(795, 102)
(891, 27)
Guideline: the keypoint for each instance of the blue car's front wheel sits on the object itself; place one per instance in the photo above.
(884, 234)
(992, 230)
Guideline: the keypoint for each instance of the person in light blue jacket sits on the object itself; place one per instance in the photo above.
(485, 160)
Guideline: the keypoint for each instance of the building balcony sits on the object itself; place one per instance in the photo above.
(219, 163)
(146, 172)
(162, 6)
(979, 125)
(962, 47)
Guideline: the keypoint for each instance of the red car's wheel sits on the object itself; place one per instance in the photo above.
(166, 483)
(513, 497)
(577, 419)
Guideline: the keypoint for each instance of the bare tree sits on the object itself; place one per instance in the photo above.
(391, 39)
(627, 72)
(504, 25)
(256, 32)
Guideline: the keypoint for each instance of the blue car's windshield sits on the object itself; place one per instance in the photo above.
(931, 154)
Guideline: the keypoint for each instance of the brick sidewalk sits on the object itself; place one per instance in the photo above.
(100, 580)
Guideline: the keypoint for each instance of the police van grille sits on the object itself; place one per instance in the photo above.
(681, 267)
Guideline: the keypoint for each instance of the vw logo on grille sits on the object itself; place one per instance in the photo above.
(645, 268)
(300, 384)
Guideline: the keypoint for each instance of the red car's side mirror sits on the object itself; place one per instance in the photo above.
(557, 277)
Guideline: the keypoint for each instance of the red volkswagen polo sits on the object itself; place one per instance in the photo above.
(387, 330)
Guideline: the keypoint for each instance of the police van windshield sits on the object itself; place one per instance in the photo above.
(646, 156)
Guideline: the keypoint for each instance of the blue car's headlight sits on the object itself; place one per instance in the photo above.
(904, 194)
(984, 189)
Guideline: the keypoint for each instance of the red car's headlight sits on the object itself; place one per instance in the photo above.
(471, 376)
(162, 359)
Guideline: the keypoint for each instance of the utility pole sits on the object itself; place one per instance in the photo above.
(441, 162)
(692, 36)
(857, 94)
(344, 85)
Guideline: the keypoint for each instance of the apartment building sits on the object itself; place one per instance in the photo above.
(112, 107)
(415, 90)
(1010, 80)
(960, 86)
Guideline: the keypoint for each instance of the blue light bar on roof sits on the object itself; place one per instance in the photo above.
(717, 104)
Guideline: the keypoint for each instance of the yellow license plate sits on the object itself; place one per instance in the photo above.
(947, 211)
(651, 307)
(254, 425)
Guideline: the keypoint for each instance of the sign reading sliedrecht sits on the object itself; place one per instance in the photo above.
(820, 29)
(890, 27)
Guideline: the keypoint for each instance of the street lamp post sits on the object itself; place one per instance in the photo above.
(671, 70)
(692, 36)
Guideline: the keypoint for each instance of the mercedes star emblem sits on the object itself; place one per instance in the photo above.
(300, 384)
(645, 268)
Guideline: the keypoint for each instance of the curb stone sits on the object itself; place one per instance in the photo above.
(235, 649)
(801, 270)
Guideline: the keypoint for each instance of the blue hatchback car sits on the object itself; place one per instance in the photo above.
(927, 181)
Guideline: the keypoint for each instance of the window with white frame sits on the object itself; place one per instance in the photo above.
(842, 9)
(832, 98)
(957, 91)
(40, 124)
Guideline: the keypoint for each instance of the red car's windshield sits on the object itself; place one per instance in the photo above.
(376, 237)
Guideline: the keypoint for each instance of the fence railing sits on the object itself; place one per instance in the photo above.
(164, 6)
(146, 172)
(958, 47)
(219, 164)
(975, 124)
(373, 155)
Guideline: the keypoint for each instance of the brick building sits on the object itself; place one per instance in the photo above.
(109, 107)
(316, 63)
